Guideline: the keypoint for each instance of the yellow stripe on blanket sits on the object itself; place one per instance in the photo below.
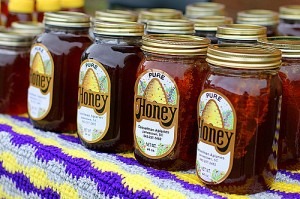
(37, 176)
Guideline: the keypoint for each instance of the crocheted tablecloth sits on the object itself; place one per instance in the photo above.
(37, 164)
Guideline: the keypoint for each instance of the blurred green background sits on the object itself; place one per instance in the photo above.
(92, 5)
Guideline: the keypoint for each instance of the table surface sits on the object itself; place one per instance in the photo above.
(38, 164)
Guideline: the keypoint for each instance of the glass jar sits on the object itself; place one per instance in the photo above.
(14, 72)
(72, 5)
(289, 140)
(54, 70)
(202, 9)
(239, 118)
(116, 16)
(19, 11)
(27, 28)
(43, 6)
(240, 33)
(166, 93)
(108, 70)
(170, 26)
(267, 18)
(158, 14)
(207, 26)
(289, 20)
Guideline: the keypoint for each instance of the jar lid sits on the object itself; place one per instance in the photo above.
(170, 44)
(116, 16)
(48, 5)
(289, 45)
(244, 56)
(72, 3)
(211, 23)
(202, 9)
(159, 13)
(290, 12)
(241, 32)
(119, 29)
(24, 6)
(9, 38)
(171, 26)
(258, 17)
(67, 19)
(29, 28)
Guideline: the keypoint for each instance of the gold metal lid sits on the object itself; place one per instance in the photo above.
(170, 44)
(9, 38)
(119, 29)
(258, 17)
(29, 28)
(67, 19)
(159, 13)
(289, 45)
(202, 9)
(170, 26)
(241, 32)
(211, 23)
(244, 56)
(116, 16)
(290, 12)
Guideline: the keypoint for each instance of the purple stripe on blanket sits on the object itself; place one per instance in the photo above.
(108, 183)
(284, 195)
(23, 184)
(294, 176)
(22, 119)
(166, 175)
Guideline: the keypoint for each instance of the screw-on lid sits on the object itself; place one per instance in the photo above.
(211, 23)
(202, 9)
(290, 12)
(241, 32)
(47, 5)
(170, 26)
(170, 44)
(244, 56)
(21, 6)
(118, 29)
(159, 13)
(258, 17)
(27, 28)
(116, 16)
(9, 38)
(289, 45)
(67, 19)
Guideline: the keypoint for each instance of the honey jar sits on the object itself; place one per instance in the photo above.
(202, 9)
(27, 28)
(106, 86)
(54, 71)
(166, 93)
(289, 20)
(239, 118)
(158, 14)
(170, 26)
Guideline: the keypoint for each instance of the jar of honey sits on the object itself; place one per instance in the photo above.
(72, 5)
(267, 18)
(27, 28)
(170, 26)
(158, 14)
(240, 33)
(14, 72)
(289, 140)
(239, 118)
(54, 71)
(202, 9)
(106, 86)
(166, 93)
(19, 11)
(43, 6)
(207, 26)
(116, 16)
(289, 20)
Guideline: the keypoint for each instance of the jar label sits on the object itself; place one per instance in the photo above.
(93, 101)
(40, 90)
(156, 107)
(217, 131)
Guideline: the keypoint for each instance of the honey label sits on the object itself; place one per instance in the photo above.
(93, 101)
(217, 131)
(40, 91)
(156, 106)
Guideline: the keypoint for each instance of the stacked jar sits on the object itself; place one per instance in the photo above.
(202, 9)
(54, 71)
(166, 92)
(170, 26)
